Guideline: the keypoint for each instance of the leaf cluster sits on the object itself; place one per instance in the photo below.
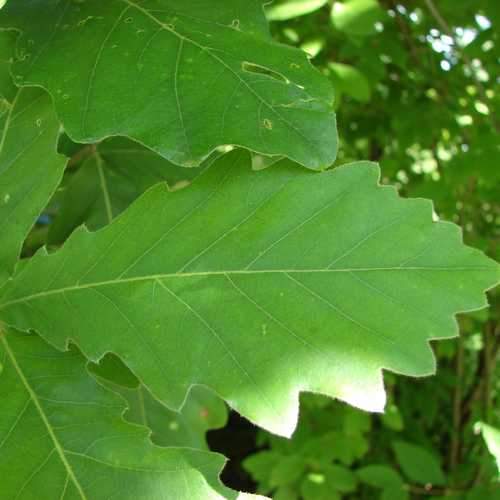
(177, 237)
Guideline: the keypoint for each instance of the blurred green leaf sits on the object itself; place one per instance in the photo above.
(281, 10)
(418, 463)
(288, 470)
(260, 465)
(316, 486)
(490, 492)
(392, 418)
(286, 493)
(348, 80)
(380, 476)
(395, 493)
(357, 17)
(491, 436)
(341, 478)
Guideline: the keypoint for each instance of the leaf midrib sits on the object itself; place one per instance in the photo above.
(57, 445)
(205, 274)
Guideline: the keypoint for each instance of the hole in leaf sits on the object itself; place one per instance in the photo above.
(262, 70)
(268, 124)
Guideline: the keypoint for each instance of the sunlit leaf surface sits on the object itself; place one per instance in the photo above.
(259, 286)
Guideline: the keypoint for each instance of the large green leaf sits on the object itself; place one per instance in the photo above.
(259, 285)
(180, 77)
(30, 169)
(62, 435)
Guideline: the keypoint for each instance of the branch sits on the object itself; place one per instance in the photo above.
(481, 374)
(440, 492)
(457, 407)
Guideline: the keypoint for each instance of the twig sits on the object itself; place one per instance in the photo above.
(440, 492)
(489, 352)
(477, 390)
(489, 355)
(457, 407)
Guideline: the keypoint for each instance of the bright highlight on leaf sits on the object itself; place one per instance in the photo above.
(491, 436)
(259, 285)
(139, 70)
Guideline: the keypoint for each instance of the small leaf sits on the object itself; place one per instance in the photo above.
(395, 493)
(316, 486)
(288, 470)
(310, 282)
(261, 465)
(287, 493)
(392, 418)
(341, 478)
(419, 464)
(380, 476)
(181, 78)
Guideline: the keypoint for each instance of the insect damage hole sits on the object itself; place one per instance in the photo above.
(249, 67)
